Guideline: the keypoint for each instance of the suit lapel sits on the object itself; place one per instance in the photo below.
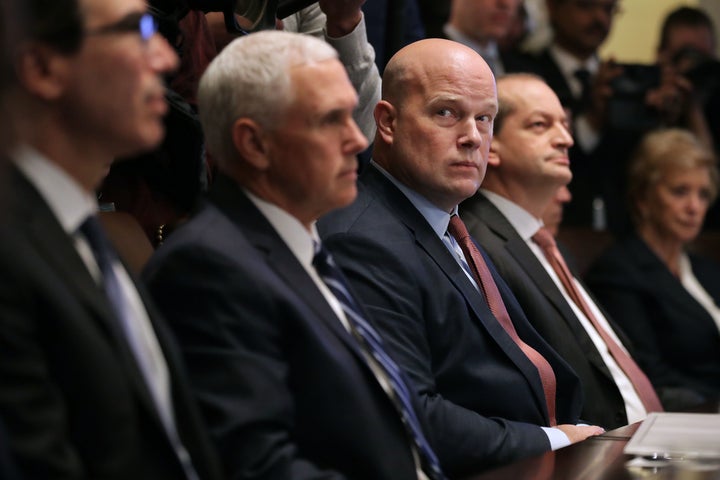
(428, 241)
(664, 282)
(57, 250)
(261, 234)
(529, 263)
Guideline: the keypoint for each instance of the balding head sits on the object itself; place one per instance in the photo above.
(412, 66)
(435, 119)
(529, 155)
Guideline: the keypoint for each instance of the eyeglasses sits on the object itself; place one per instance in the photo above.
(141, 23)
(608, 8)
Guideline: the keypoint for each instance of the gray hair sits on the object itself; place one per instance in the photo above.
(250, 78)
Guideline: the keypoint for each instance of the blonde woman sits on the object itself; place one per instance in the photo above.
(666, 299)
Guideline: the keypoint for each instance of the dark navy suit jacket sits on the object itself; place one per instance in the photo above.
(72, 397)
(677, 341)
(483, 397)
(283, 385)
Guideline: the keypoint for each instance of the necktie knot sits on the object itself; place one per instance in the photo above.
(457, 228)
(583, 75)
(544, 239)
(101, 247)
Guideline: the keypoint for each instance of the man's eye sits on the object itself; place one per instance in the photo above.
(444, 112)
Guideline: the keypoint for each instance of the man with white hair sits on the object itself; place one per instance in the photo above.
(292, 378)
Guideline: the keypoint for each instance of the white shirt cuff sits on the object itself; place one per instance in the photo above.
(557, 438)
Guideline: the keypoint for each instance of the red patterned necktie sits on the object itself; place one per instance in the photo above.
(640, 382)
(485, 281)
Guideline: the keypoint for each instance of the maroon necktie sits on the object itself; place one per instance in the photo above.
(485, 281)
(640, 382)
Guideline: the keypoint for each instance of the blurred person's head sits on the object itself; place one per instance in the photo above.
(553, 214)
(484, 20)
(581, 26)
(277, 111)
(12, 21)
(435, 120)
(520, 27)
(89, 83)
(673, 179)
(529, 154)
(689, 31)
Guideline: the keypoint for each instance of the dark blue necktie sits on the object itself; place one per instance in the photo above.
(106, 258)
(370, 340)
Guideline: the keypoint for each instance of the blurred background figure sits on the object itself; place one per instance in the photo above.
(8, 18)
(612, 104)
(481, 24)
(665, 299)
(90, 384)
(392, 24)
(160, 188)
(687, 44)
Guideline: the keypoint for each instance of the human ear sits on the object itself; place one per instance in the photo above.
(385, 117)
(494, 155)
(42, 71)
(249, 140)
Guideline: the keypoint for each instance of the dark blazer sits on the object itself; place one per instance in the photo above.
(677, 341)
(481, 394)
(8, 470)
(282, 383)
(546, 308)
(72, 397)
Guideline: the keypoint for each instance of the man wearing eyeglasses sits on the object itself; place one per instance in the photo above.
(90, 383)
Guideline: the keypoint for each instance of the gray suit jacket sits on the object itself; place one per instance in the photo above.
(546, 309)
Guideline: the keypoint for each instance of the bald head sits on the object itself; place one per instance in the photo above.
(529, 154)
(433, 58)
(435, 119)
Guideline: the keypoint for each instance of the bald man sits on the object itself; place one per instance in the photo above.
(483, 395)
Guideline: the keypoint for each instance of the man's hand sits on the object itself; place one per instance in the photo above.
(578, 433)
(342, 16)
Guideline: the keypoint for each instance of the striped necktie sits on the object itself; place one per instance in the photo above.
(370, 341)
(145, 353)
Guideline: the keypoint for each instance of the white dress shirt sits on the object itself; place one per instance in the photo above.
(526, 225)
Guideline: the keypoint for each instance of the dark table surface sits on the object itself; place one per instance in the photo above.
(599, 458)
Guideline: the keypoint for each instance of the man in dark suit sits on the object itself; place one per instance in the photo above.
(485, 398)
(90, 383)
(528, 163)
(288, 382)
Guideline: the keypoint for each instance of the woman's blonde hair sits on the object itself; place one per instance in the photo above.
(661, 151)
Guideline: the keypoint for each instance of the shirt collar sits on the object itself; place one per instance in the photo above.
(435, 216)
(301, 242)
(569, 64)
(521, 220)
(70, 203)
